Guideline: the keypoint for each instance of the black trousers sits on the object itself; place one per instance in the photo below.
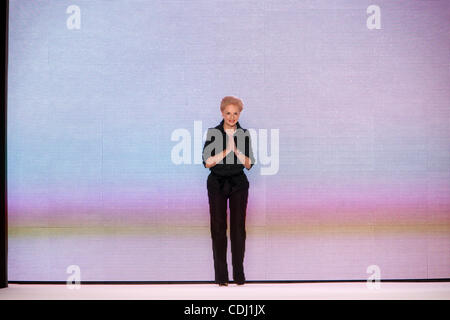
(218, 215)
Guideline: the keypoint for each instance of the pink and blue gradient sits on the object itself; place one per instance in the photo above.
(363, 118)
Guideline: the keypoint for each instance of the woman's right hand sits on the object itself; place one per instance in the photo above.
(213, 160)
(230, 144)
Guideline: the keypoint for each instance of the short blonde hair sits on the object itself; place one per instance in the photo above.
(231, 100)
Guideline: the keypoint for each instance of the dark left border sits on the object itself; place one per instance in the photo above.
(4, 217)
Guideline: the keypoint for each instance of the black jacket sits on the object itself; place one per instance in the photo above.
(230, 168)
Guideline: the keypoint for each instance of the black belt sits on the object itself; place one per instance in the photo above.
(223, 179)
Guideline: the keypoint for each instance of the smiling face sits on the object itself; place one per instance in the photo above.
(230, 115)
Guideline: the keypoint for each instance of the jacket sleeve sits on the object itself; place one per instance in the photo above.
(248, 148)
(208, 141)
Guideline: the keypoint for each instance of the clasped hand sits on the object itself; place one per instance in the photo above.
(231, 146)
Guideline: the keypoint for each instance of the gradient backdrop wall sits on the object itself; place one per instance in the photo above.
(348, 106)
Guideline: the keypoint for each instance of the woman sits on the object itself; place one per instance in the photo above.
(226, 152)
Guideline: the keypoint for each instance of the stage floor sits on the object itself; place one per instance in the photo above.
(250, 291)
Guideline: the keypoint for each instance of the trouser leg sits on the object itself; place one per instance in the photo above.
(238, 208)
(218, 220)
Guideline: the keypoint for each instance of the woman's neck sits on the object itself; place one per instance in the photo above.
(226, 126)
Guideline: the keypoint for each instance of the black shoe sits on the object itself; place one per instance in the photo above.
(223, 284)
(240, 283)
